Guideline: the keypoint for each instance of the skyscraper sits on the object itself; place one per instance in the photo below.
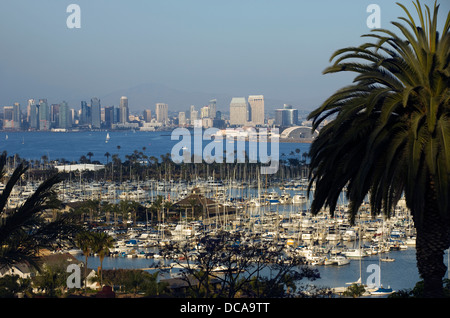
(212, 108)
(256, 103)
(238, 111)
(8, 114)
(96, 113)
(34, 114)
(162, 113)
(64, 120)
(30, 105)
(193, 116)
(205, 112)
(44, 115)
(147, 115)
(287, 116)
(17, 114)
(85, 118)
(123, 110)
(181, 118)
(110, 117)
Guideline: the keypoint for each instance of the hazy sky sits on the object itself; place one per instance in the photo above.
(237, 47)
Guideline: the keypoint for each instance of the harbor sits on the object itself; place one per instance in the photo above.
(277, 215)
(167, 206)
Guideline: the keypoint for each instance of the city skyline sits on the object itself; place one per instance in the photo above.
(47, 116)
(276, 49)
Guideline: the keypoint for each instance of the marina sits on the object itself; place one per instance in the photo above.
(339, 250)
(274, 211)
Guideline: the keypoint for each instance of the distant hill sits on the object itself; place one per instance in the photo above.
(145, 96)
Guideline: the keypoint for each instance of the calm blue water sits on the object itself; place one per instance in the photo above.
(72, 145)
(400, 274)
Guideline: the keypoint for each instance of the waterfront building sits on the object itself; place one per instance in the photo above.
(162, 113)
(238, 111)
(256, 105)
(8, 122)
(34, 114)
(85, 116)
(31, 103)
(96, 113)
(110, 116)
(287, 116)
(147, 115)
(123, 110)
(64, 120)
(17, 116)
(54, 115)
(44, 115)
(205, 112)
(212, 108)
(181, 118)
(194, 116)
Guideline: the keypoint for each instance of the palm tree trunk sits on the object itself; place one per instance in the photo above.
(432, 241)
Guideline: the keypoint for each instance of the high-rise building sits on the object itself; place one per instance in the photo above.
(212, 108)
(54, 115)
(44, 115)
(30, 105)
(8, 115)
(110, 117)
(162, 113)
(193, 116)
(72, 117)
(64, 116)
(181, 118)
(287, 116)
(256, 104)
(17, 116)
(205, 112)
(147, 115)
(34, 114)
(96, 113)
(85, 116)
(238, 111)
(123, 110)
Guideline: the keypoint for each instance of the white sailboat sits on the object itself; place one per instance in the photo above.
(380, 290)
(107, 138)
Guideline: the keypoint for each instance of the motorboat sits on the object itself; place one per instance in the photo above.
(355, 252)
(382, 291)
(337, 260)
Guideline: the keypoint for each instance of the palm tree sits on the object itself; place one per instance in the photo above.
(107, 155)
(84, 243)
(23, 230)
(101, 244)
(390, 134)
(89, 154)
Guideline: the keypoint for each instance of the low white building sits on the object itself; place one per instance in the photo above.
(79, 167)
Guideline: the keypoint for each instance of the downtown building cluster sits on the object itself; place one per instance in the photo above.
(40, 115)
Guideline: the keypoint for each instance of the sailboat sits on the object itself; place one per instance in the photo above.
(107, 138)
(381, 291)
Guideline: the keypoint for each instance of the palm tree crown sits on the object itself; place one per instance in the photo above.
(390, 130)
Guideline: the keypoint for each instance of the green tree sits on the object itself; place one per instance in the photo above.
(390, 133)
(23, 230)
(101, 244)
(51, 280)
(355, 290)
(11, 285)
(84, 243)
